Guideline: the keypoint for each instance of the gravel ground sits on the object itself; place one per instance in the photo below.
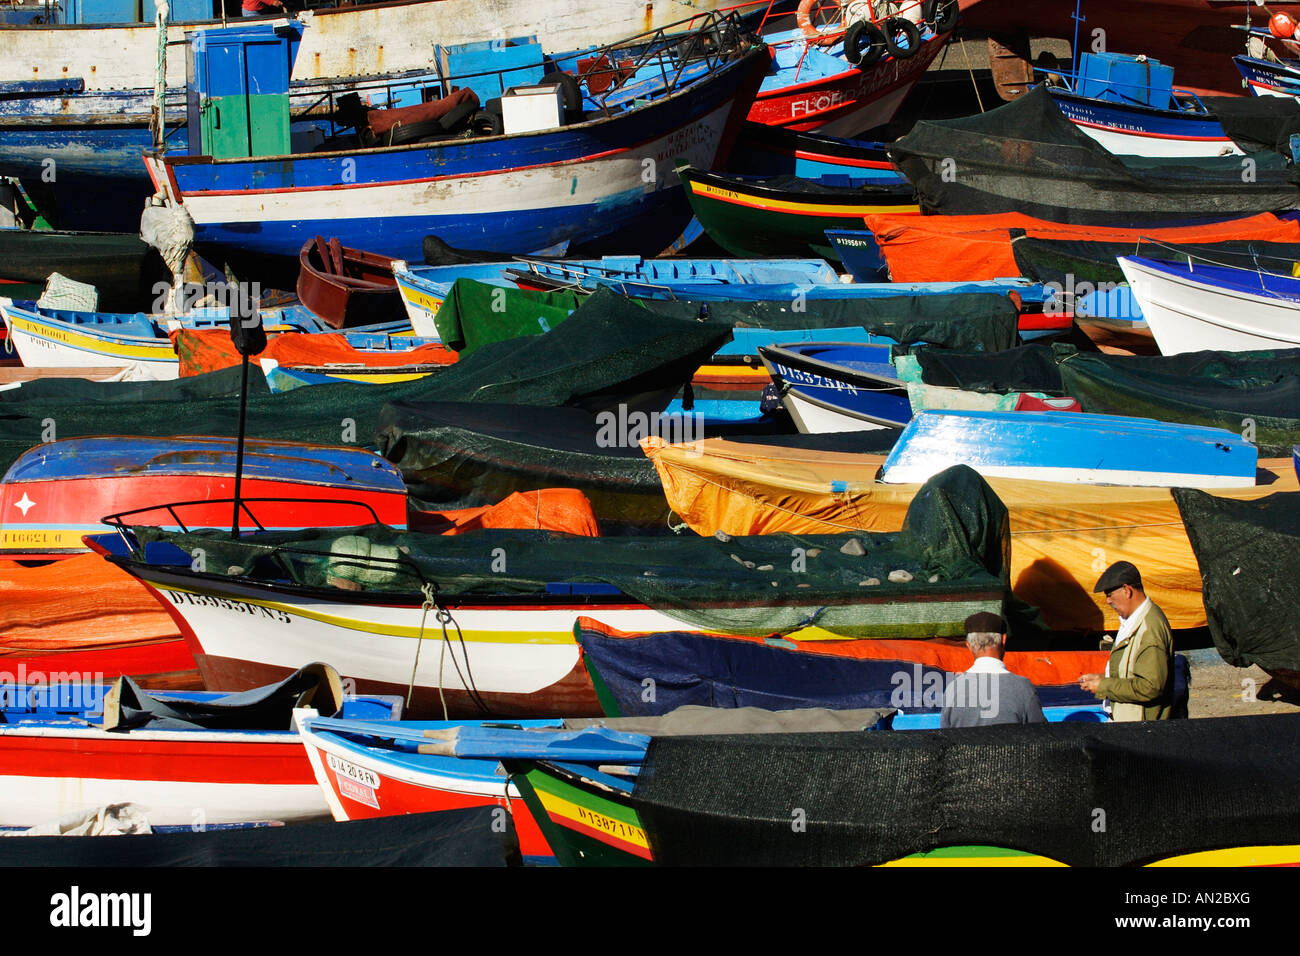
(1220, 690)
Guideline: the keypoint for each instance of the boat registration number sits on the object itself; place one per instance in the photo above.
(352, 772)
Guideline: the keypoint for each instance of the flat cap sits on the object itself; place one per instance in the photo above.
(985, 622)
(1117, 575)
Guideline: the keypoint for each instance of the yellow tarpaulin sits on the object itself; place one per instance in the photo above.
(1062, 535)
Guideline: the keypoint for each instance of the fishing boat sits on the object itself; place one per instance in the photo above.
(846, 69)
(1263, 71)
(836, 386)
(1068, 447)
(786, 216)
(477, 304)
(1192, 306)
(1129, 105)
(57, 492)
(730, 671)
(763, 150)
(364, 600)
(190, 757)
(1009, 160)
(80, 95)
(347, 287)
(680, 805)
(684, 96)
(367, 771)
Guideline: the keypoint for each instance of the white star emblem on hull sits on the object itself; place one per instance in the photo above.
(24, 504)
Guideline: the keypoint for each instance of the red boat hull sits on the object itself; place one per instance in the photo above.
(394, 797)
(848, 103)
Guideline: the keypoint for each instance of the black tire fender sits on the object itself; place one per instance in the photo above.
(911, 37)
(941, 14)
(864, 44)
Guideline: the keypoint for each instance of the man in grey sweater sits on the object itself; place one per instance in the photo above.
(988, 693)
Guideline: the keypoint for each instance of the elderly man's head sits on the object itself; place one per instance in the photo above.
(1122, 585)
(986, 635)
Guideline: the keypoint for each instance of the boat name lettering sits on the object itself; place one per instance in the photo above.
(800, 377)
(211, 600)
(683, 140)
(352, 771)
(890, 72)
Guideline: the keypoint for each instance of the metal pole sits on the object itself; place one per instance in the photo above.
(239, 448)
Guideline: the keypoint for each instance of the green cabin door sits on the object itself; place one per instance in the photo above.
(243, 85)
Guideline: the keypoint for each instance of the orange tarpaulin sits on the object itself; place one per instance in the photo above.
(208, 350)
(1062, 535)
(971, 248)
(549, 509)
(76, 603)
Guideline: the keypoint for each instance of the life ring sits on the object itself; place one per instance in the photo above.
(864, 44)
(911, 36)
(803, 17)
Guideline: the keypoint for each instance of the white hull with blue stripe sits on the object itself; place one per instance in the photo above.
(1071, 448)
(1199, 307)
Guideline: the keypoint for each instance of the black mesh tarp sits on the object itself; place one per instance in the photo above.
(1257, 122)
(1083, 794)
(606, 354)
(478, 836)
(979, 321)
(1072, 261)
(1248, 552)
(1029, 368)
(461, 455)
(1026, 157)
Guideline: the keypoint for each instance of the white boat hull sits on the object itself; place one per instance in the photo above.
(1189, 316)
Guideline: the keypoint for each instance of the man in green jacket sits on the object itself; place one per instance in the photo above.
(1138, 683)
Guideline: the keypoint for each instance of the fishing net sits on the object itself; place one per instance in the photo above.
(1026, 157)
(1162, 788)
(1248, 552)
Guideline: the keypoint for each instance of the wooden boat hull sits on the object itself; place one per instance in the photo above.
(1067, 447)
(834, 387)
(1197, 309)
(753, 220)
(363, 781)
(347, 287)
(843, 100)
(58, 492)
(58, 765)
(510, 654)
(764, 150)
(579, 182)
(1137, 130)
(777, 674)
